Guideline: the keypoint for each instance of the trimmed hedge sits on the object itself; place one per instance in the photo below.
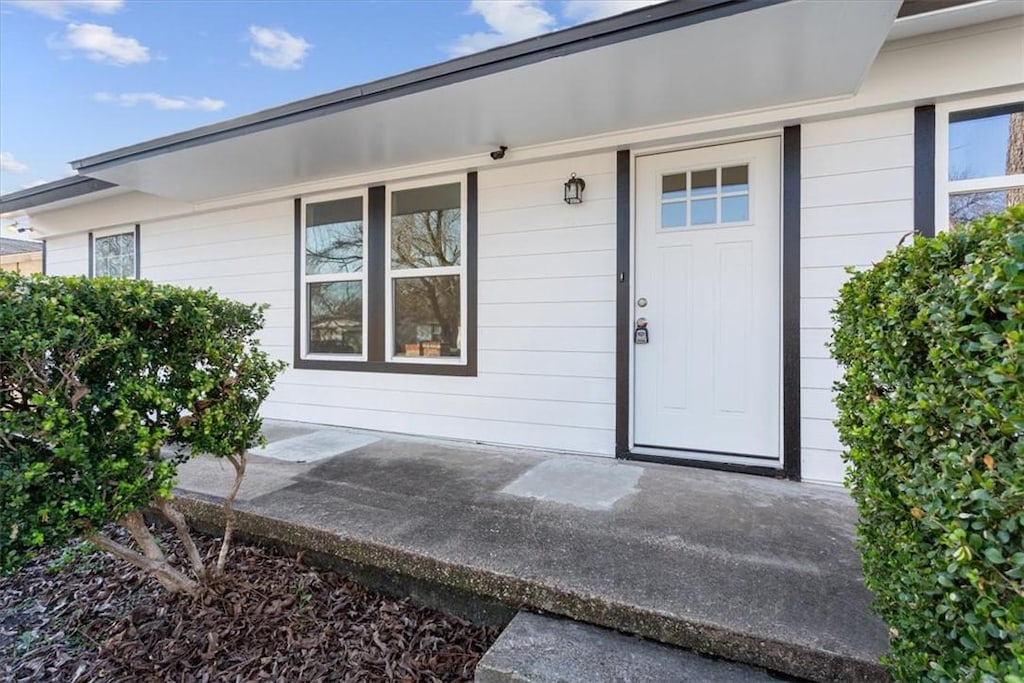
(931, 408)
(96, 375)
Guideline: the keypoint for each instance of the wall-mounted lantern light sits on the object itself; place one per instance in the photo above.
(574, 190)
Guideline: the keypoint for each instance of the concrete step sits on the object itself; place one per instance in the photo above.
(541, 649)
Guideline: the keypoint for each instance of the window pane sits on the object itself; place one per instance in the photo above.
(735, 209)
(673, 215)
(964, 208)
(114, 255)
(987, 143)
(704, 211)
(427, 316)
(334, 236)
(335, 317)
(426, 227)
(673, 186)
(704, 182)
(734, 179)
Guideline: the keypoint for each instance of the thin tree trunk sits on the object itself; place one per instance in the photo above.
(238, 462)
(135, 523)
(165, 506)
(168, 576)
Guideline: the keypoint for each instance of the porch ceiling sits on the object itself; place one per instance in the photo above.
(770, 56)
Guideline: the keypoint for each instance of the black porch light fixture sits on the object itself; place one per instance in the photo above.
(574, 190)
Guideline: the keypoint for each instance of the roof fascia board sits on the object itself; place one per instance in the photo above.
(637, 24)
(58, 190)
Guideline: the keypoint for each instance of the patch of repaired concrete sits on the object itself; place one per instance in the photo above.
(581, 482)
(318, 445)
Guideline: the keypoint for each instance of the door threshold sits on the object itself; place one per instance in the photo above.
(768, 467)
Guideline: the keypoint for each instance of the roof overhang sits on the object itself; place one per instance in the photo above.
(675, 61)
(59, 193)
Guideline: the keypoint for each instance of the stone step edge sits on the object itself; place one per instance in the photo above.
(789, 658)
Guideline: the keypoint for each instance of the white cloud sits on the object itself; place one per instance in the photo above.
(277, 48)
(60, 9)
(101, 44)
(10, 164)
(157, 101)
(579, 11)
(509, 21)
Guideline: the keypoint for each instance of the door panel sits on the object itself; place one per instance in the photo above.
(708, 271)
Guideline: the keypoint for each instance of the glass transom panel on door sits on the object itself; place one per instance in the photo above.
(705, 197)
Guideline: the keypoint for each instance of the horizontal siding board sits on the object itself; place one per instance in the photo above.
(554, 240)
(847, 250)
(819, 434)
(822, 281)
(527, 220)
(821, 465)
(854, 128)
(584, 263)
(558, 339)
(858, 156)
(818, 373)
(563, 314)
(548, 290)
(826, 221)
(814, 343)
(858, 188)
(816, 314)
(818, 404)
(563, 364)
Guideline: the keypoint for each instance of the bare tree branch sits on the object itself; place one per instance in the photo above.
(168, 576)
(238, 462)
(166, 507)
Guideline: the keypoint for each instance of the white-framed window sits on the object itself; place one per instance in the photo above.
(979, 158)
(333, 295)
(425, 246)
(706, 197)
(115, 254)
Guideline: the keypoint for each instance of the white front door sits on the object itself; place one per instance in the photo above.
(707, 382)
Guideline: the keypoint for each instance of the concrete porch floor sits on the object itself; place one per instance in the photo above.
(747, 568)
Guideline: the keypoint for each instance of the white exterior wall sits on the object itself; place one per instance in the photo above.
(546, 314)
(546, 271)
(857, 199)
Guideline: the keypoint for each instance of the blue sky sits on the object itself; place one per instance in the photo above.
(79, 77)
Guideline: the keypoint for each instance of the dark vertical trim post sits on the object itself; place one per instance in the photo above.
(91, 257)
(924, 170)
(44, 257)
(138, 252)
(471, 270)
(376, 283)
(623, 300)
(791, 153)
(297, 265)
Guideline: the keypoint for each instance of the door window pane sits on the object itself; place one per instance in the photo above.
(964, 208)
(427, 316)
(704, 182)
(673, 186)
(704, 211)
(426, 227)
(673, 215)
(335, 317)
(735, 209)
(734, 179)
(334, 236)
(987, 143)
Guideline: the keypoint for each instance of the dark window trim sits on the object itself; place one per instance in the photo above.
(92, 257)
(791, 409)
(44, 258)
(135, 232)
(376, 283)
(138, 252)
(924, 170)
(983, 112)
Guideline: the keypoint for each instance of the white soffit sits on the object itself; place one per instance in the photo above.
(791, 52)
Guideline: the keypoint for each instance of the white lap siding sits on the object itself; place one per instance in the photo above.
(857, 195)
(546, 314)
(67, 255)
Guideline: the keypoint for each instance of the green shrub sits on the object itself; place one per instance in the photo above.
(931, 408)
(96, 376)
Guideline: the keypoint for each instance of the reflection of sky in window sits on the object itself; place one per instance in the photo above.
(977, 147)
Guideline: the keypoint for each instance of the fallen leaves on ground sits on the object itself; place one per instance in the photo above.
(79, 615)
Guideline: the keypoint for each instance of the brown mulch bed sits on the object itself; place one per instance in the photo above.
(80, 615)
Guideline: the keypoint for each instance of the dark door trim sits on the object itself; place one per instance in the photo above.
(924, 170)
(790, 247)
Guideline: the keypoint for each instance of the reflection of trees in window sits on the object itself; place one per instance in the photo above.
(335, 317)
(969, 206)
(427, 309)
(335, 248)
(426, 239)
